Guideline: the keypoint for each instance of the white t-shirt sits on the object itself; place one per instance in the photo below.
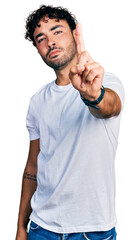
(76, 176)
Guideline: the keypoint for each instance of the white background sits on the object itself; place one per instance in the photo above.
(111, 33)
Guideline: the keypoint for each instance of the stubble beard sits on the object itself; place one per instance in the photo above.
(62, 62)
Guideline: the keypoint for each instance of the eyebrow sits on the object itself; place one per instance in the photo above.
(51, 29)
(39, 35)
(57, 26)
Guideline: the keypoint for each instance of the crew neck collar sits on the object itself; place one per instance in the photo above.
(61, 87)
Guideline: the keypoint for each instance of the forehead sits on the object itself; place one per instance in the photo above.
(46, 24)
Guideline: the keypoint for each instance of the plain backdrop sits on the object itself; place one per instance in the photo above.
(111, 31)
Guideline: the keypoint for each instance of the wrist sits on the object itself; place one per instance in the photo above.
(91, 97)
(21, 228)
(21, 234)
(21, 225)
(94, 102)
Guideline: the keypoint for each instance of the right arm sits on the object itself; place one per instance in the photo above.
(29, 184)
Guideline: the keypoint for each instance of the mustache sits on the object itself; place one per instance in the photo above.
(53, 48)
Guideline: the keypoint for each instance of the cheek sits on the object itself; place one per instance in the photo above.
(65, 40)
(42, 48)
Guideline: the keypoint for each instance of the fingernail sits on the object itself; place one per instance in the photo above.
(80, 68)
(83, 85)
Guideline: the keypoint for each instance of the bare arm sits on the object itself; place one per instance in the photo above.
(87, 77)
(29, 185)
(109, 106)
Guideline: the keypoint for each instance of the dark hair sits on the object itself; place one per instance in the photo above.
(52, 12)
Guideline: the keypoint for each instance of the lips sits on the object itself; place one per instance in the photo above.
(53, 53)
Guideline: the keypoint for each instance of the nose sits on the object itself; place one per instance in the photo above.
(51, 45)
(51, 42)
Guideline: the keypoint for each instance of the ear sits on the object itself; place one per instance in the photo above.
(74, 34)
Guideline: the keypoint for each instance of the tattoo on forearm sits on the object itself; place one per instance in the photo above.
(30, 177)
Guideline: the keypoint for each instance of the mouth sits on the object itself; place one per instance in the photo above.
(54, 53)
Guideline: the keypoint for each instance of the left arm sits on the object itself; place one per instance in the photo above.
(87, 77)
(109, 106)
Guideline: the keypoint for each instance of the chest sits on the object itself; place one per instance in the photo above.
(60, 113)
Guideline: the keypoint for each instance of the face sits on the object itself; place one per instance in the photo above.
(55, 42)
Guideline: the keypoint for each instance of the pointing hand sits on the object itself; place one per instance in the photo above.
(87, 75)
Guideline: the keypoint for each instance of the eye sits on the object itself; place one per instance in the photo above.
(40, 40)
(57, 32)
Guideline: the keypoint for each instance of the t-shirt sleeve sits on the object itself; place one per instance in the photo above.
(114, 83)
(31, 124)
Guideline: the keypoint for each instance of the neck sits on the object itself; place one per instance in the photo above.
(63, 74)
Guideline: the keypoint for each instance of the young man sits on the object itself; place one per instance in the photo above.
(73, 124)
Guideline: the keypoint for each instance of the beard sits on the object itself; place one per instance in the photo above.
(62, 62)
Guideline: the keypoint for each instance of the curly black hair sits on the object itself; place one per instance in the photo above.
(52, 12)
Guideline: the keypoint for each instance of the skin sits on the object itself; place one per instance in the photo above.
(64, 56)
(87, 77)
(73, 64)
(29, 185)
(65, 52)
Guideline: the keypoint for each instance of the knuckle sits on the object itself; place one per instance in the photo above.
(101, 69)
(92, 72)
(85, 53)
(89, 78)
(73, 69)
(97, 64)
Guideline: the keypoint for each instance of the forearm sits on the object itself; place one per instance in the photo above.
(109, 106)
(29, 185)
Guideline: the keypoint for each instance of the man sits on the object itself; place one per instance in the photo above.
(73, 124)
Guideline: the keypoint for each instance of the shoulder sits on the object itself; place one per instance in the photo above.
(113, 82)
(40, 93)
(110, 78)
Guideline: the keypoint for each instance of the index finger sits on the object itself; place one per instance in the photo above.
(79, 39)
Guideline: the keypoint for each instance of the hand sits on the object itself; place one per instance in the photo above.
(21, 235)
(87, 75)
